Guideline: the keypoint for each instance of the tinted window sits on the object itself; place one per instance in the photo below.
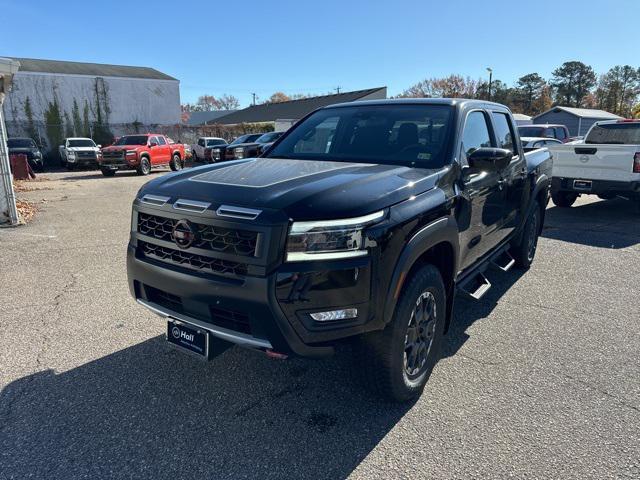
(211, 143)
(476, 133)
(616, 133)
(269, 137)
(560, 133)
(161, 141)
(411, 135)
(549, 132)
(201, 142)
(251, 137)
(81, 143)
(132, 140)
(530, 131)
(504, 132)
(20, 143)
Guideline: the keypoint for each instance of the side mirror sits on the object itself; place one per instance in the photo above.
(99, 146)
(488, 159)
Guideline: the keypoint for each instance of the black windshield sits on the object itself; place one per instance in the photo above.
(615, 133)
(251, 137)
(20, 143)
(401, 134)
(132, 140)
(531, 131)
(81, 143)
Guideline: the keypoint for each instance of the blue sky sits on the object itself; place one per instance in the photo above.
(314, 46)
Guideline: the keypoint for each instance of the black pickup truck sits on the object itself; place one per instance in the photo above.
(359, 224)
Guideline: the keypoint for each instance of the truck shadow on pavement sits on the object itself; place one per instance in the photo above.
(603, 224)
(150, 412)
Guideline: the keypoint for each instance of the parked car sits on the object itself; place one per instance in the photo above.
(560, 132)
(201, 150)
(223, 152)
(256, 147)
(26, 146)
(606, 163)
(141, 153)
(531, 143)
(359, 225)
(79, 152)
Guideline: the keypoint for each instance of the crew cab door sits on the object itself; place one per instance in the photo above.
(514, 177)
(200, 147)
(481, 211)
(163, 154)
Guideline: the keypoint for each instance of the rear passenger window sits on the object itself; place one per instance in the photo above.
(549, 133)
(560, 133)
(161, 141)
(504, 132)
(476, 133)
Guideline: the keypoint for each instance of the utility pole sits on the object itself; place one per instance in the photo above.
(490, 80)
(254, 99)
(338, 90)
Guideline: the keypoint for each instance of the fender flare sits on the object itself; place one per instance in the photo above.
(441, 230)
(542, 182)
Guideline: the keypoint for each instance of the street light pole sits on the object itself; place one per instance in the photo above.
(490, 80)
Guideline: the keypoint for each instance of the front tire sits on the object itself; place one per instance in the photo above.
(397, 361)
(145, 166)
(564, 199)
(176, 163)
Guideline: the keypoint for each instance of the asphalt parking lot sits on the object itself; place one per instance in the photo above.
(541, 379)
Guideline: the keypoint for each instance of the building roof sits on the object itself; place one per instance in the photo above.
(521, 116)
(581, 112)
(295, 109)
(92, 69)
(201, 118)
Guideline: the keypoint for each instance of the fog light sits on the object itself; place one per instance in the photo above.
(335, 315)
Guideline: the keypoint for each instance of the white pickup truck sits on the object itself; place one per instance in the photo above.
(606, 163)
(79, 152)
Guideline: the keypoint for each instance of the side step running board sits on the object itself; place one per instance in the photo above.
(503, 262)
(476, 286)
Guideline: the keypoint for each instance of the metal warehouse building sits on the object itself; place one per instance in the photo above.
(53, 98)
(577, 120)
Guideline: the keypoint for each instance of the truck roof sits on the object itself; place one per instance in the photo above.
(422, 101)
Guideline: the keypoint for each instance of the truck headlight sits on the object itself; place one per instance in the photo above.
(329, 239)
(215, 154)
(238, 152)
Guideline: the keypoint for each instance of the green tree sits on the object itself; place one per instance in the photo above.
(528, 89)
(86, 126)
(618, 89)
(31, 127)
(77, 120)
(572, 82)
(68, 126)
(54, 125)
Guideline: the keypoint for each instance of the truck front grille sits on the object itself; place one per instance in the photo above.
(190, 260)
(209, 237)
(113, 155)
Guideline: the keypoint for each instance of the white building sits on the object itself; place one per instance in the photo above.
(89, 96)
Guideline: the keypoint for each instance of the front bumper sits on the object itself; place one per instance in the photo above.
(253, 300)
(596, 187)
(267, 313)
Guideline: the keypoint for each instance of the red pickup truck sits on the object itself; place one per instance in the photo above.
(141, 153)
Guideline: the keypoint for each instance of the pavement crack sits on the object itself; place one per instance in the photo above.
(602, 391)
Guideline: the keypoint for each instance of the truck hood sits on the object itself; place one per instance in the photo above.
(303, 189)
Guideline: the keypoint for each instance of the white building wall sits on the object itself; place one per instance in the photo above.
(147, 101)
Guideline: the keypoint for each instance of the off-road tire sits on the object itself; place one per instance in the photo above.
(108, 172)
(380, 356)
(564, 199)
(525, 251)
(176, 164)
(145, 166)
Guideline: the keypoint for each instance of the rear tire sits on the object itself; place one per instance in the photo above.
(176, 163)
(564, 199)
(145, 166)
(396, 362)
(108, 172)
(524, 252)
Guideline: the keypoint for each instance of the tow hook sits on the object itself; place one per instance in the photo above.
(277, 355)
